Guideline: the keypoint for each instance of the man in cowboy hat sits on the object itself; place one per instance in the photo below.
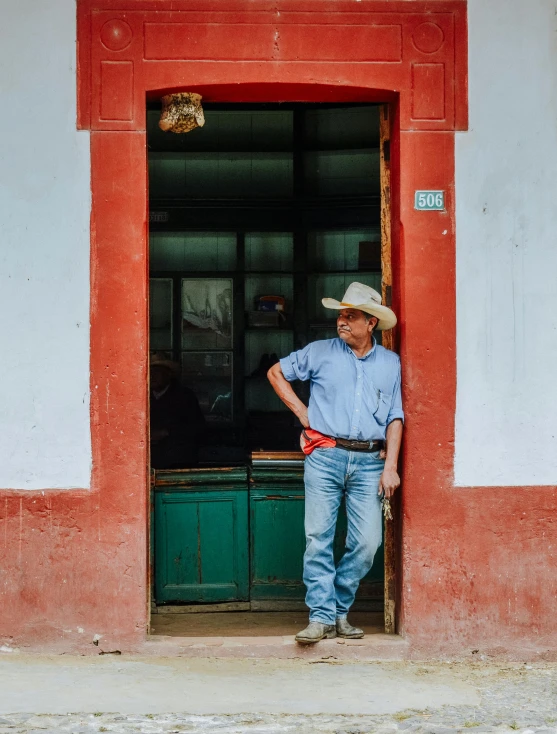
(351, 438)
(177, 422)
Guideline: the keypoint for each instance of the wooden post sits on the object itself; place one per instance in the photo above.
(387, 339)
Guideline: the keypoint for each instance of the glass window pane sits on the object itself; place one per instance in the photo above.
(342, 172)
(206, 313)
(193, 251)
(167, 175)
(241, 130)
(209, 375)
(166, 251)
(352, 127)
(234, 175)
(269, 251)
(348, 250)
(160, 313)
(220, 175)
(272, 130)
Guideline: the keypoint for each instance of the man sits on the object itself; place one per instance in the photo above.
(177, 423)
(353, 430)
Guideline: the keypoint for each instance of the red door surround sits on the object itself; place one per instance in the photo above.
(132, 48)
(412, 54)
(77, 559)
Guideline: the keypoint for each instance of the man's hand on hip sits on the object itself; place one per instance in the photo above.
(388, 483)
(303, 417)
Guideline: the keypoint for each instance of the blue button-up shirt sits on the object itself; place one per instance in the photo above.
(351, 397)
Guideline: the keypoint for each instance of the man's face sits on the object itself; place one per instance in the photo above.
(352, 326)
(160, 377)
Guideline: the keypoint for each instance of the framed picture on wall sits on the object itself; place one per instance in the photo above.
(206, 313)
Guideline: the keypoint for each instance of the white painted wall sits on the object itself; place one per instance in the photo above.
(506, 187)
(44, 252)
(506, 423)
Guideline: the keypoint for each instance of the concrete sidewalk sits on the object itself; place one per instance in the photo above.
(203, 686)
(121, 694)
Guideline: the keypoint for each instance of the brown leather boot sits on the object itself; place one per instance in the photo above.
(345, 629)
(316, 631)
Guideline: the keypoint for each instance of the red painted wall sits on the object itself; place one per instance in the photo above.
(477, 565)
(77, 559)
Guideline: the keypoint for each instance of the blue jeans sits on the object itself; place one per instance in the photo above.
(330, 475)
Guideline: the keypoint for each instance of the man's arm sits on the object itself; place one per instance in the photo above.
(390, 480)
(285, 392)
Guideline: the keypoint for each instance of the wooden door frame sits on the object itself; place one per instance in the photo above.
(409, 53)
(386, 114)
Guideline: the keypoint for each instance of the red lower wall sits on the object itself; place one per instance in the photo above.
(480, 566)
(73, 567)
(481, 571)
(76, 559)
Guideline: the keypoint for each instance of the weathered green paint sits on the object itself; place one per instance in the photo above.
(202, 536)
(201, 546)
(277, 543)
(277, 476)
(152, 571)
(231, 476)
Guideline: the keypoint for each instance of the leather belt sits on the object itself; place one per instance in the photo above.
(352, 445)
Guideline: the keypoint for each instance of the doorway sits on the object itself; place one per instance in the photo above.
(254, 218)
(377, 49)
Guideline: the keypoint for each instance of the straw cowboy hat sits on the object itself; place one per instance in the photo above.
(366, 299)
(159, 360)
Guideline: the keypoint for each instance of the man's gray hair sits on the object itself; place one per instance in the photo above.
(369, 316)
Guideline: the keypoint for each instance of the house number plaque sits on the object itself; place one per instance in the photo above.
(430, 201)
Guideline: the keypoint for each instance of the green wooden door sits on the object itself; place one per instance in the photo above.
(201, 545)
(277, 547)
(219, 539)
(277, 538)
(277, 543)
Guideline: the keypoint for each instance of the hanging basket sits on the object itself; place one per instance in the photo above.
(181, 112)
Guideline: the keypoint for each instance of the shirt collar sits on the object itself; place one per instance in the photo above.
(371, 351)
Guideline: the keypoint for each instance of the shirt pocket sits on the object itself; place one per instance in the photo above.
(383, 407)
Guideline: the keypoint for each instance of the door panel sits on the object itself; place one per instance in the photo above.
(207, 549)
(201, 546)
(277, 543)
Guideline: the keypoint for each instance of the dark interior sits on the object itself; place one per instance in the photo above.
(255, 217)
(264, 200)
